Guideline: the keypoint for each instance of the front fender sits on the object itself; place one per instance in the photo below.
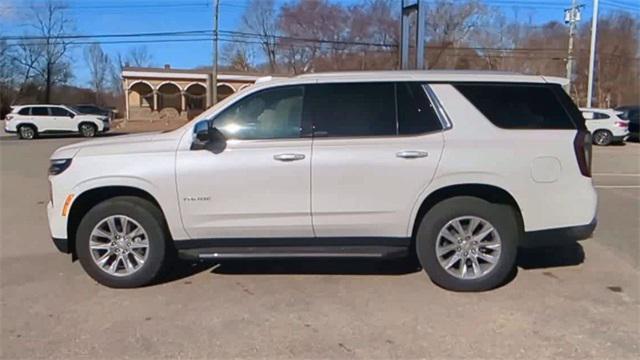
(166, 200)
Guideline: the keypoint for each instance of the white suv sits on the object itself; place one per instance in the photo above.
(28, 121)
(460, 168)
(605, 125)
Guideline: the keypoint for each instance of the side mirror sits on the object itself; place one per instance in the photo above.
(210, 139)
(72, 115)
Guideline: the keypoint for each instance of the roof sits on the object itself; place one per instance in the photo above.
(432, 75)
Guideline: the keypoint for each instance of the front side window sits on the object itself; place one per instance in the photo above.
(269, 114)
(352, 109)
(520, 106)
(39, 111)
(57, 111)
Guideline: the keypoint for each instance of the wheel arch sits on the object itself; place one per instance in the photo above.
(490, 193)
(91, 197)
(21, 124)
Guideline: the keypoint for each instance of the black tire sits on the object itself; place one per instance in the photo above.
(602, 137)
(88, 129)
(503, 218)
(149, 217)
(27, 132)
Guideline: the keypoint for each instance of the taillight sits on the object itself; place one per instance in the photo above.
(9, 117)
(622, 124)
(582, 146)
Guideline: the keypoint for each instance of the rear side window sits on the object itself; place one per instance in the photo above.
(415, 113)
(522, 106)
(352, 109)
(600, 116)
(24, 111)
(39, 111)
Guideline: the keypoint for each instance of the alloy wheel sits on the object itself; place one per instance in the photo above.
(119, 245)
(468, 247)
(27, 132)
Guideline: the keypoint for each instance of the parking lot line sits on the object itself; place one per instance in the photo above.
(617, 186)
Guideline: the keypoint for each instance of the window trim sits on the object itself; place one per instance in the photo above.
(441, 112)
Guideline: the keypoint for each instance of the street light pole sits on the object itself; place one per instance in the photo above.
(592, 52)
(214, 80)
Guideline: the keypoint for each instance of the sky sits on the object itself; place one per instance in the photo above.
(140, 16)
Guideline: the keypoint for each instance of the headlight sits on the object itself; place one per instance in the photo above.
(58, 166)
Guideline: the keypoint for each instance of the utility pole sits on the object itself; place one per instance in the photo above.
(408, 7)
(592, 52)
(214, 80)
(571, 17)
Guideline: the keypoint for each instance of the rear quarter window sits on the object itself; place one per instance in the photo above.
(523, 106)
(24, 111)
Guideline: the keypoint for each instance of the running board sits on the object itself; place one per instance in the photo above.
(287, 252)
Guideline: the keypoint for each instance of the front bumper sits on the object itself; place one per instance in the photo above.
(62, 245)
(558, 236)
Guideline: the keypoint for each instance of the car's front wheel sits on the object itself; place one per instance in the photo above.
(122, 242)
(88, 130)
(468, 244)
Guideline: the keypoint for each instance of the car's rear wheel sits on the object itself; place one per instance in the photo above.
(88, 130)
(602, 137)
(27, 132)
(122, 242)
(468, 244)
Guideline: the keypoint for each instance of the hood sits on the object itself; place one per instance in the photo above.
(116, 144)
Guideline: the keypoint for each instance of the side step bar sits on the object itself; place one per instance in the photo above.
(285, 252)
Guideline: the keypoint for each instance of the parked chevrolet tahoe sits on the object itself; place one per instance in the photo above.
(458, 168)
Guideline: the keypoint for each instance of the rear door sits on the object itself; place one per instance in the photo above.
(41, 118)
(375, 148)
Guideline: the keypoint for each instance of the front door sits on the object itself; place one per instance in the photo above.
(376, 148)
(62, 119)
(259, 185)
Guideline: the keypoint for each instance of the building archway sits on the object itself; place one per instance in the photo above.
(169, 96)
(195, 95)
(141, 94)
(224, 90)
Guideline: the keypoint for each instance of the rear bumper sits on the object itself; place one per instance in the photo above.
(558, 236)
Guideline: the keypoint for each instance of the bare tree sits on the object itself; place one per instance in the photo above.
(261, 18)
(51, 23)
(449, 24)
(139, 56)
(100, 69)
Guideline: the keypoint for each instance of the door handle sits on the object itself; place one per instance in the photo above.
(288, 157)
(412, 154)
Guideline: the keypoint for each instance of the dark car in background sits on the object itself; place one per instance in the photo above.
(631, 113)
(94, 110)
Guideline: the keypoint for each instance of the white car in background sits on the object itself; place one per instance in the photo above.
(28, 121)
(605, 125)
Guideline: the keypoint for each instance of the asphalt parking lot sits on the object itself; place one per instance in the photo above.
(573, 302)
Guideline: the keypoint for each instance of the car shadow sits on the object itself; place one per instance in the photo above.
(546, 257)
(537, 258)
